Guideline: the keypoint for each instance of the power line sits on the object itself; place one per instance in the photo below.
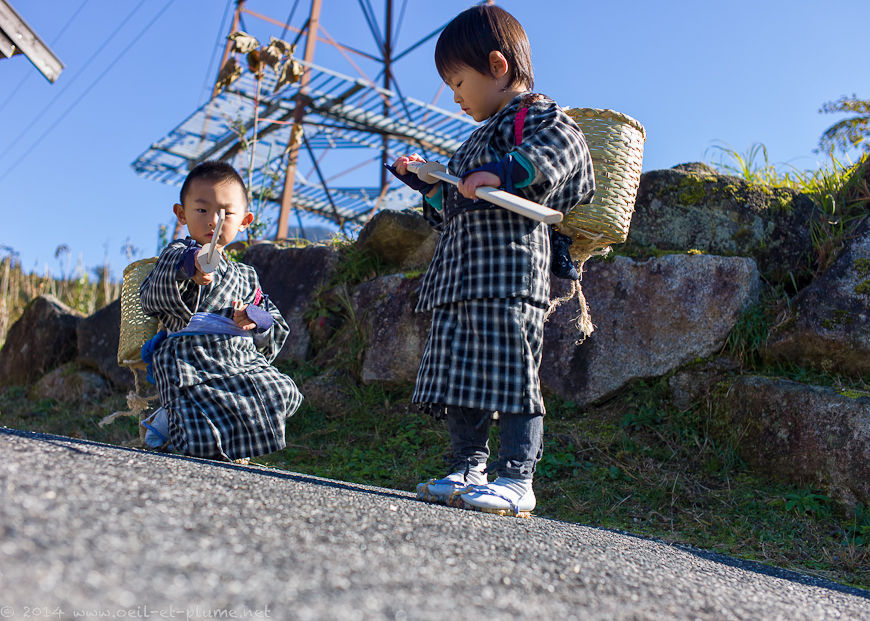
(289, 19)
(57, 37)
(209, 75)
(87, 90)
(399, 22)
(42, 112)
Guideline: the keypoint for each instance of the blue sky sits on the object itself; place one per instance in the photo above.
(693, 73)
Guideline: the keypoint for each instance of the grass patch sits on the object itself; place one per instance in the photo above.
(355, 264)
(75, 420)
(747, 341)
(748, 337)
(374, 440)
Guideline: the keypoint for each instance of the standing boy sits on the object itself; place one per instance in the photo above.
(488, 283)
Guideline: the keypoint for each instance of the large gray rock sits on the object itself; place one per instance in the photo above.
(809, 435)
(394, 334)
(43, 338)
(651, 317)
(401, 238)
(692, 207)
(292, 277)
(831, 327)
(70, 384)
(98, 337)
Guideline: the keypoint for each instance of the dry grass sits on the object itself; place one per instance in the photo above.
(77, 289)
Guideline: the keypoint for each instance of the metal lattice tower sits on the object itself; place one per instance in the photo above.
(334, 112)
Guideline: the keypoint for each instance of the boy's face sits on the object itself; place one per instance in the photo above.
(202, 205)
(481, 95)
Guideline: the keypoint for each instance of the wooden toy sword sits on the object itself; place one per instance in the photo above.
(206, 258)
(432, 172)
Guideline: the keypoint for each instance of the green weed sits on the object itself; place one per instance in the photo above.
(858, 530)
(748, 337)
(752, 166)
(808, 501)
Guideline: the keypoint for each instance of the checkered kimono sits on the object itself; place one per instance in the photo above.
(225, 400)
(489, 281)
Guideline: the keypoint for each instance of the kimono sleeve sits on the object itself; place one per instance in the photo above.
(270, 342)
(433, 207)
(166, 295)
(557, 149)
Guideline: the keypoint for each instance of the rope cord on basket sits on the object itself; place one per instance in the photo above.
(583, 321)
(135, 402)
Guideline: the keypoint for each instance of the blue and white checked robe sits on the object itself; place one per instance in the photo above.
(225, 400)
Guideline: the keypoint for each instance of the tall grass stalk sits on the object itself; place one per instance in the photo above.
(4, 294)
(826, 184)
(746, 165)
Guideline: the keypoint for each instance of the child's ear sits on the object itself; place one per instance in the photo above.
(498, 64)
(249, 217)
(179, 213)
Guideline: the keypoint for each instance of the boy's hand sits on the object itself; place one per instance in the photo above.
(201, 278)
(401, 164)
(475, 180)
(241, 317)
(400, 171)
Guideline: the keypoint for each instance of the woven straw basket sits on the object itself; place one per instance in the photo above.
(136, 326)
(616, 143)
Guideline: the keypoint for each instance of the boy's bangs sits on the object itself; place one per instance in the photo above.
(216, 172)
(469, 38)
(455, 50)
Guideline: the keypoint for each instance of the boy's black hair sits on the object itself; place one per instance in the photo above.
(216, 172)
(473, 34)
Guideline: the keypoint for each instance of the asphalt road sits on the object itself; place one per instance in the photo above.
(91, 530)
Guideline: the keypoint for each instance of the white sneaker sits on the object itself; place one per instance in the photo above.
(504, 496)
(442, 490)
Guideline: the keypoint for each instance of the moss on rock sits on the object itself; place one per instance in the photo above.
(692, 190)
(863, 288)
(862, 267)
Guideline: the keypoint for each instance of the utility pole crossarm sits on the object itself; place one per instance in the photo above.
(16, 36)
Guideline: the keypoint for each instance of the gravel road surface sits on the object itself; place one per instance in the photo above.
(90, 530)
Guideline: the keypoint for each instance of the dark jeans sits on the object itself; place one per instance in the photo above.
(520, 440)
